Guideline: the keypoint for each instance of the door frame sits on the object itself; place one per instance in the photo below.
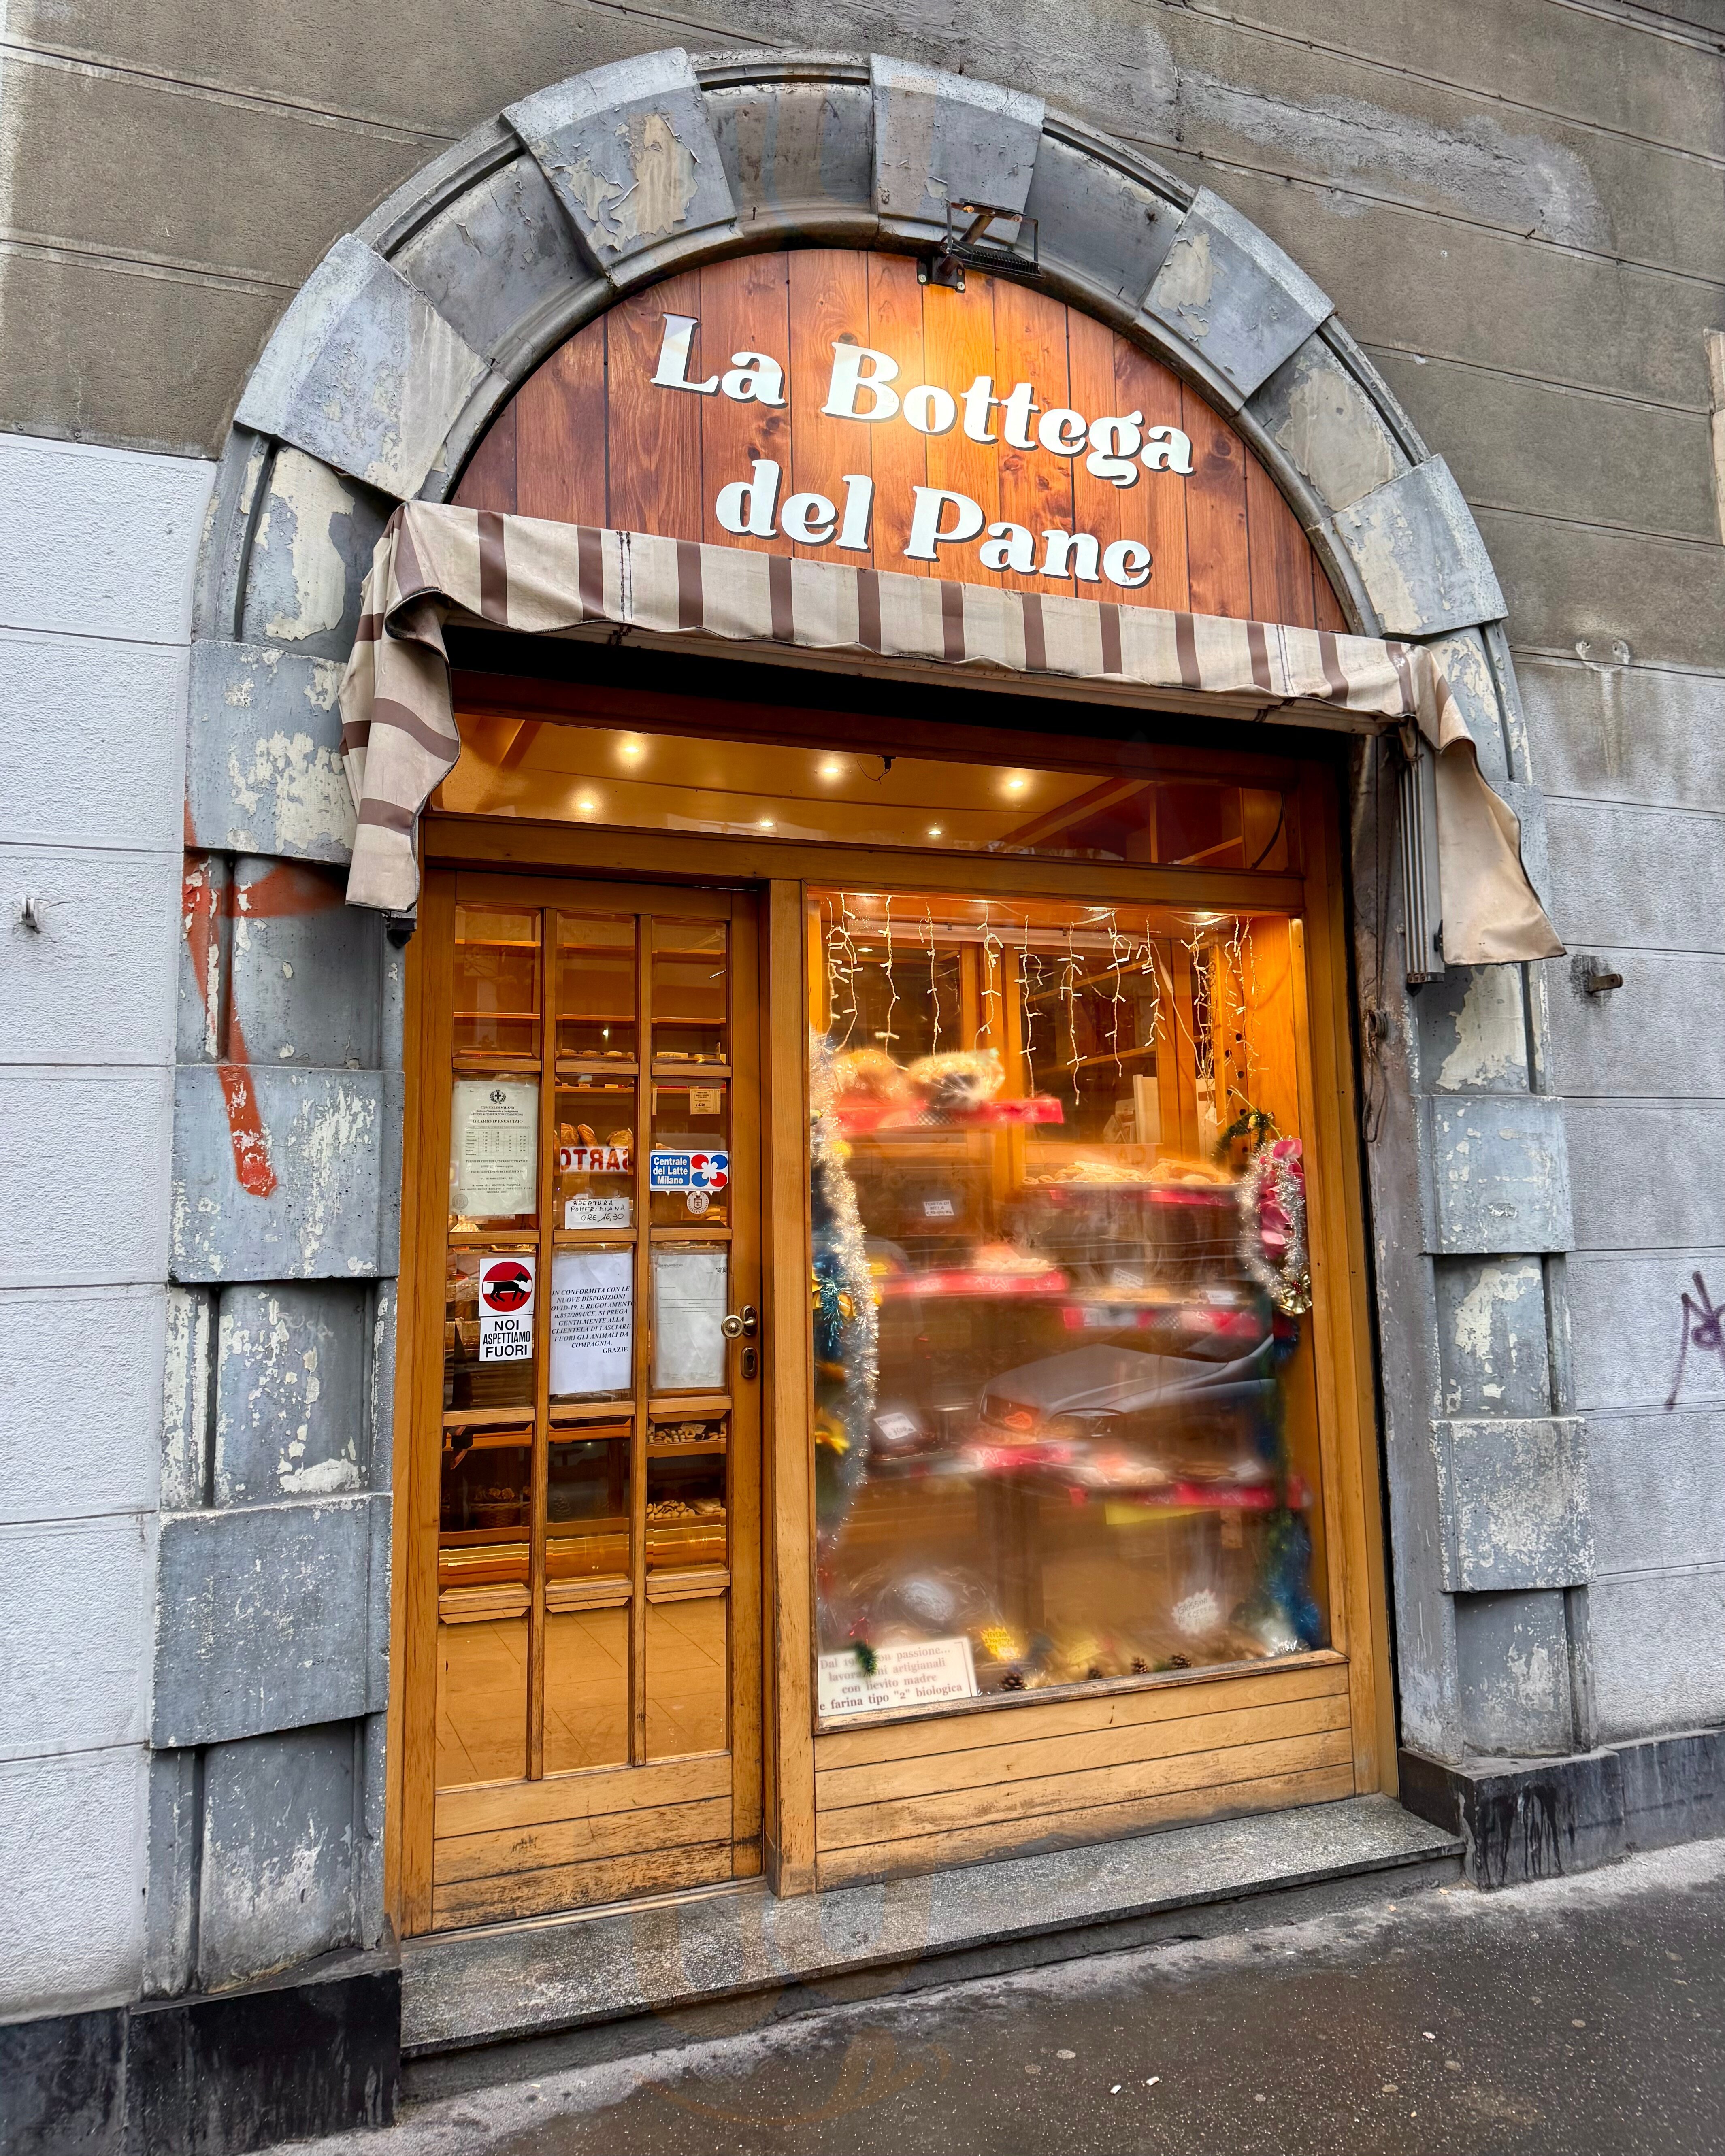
(412, 1705)
(780, 872)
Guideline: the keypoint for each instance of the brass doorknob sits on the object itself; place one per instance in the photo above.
(741, 1324)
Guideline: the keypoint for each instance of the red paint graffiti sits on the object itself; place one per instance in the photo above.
(203, 903)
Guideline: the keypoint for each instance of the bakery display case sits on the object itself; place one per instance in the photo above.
(1064, 1426)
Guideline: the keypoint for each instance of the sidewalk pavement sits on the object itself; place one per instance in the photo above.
(1580, 2017)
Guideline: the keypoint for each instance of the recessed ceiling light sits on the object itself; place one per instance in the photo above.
(832, 768)
(1017, 783)
(936, 830)
(766, 824)
(587, 804)
(633, 750)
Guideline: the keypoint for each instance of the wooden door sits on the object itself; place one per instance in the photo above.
(583, 1630)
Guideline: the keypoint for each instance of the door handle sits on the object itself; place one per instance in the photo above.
(741, 1324)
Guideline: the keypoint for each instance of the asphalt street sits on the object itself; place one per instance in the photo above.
(1576, 2016)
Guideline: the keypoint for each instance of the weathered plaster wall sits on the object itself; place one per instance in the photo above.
(95, 596)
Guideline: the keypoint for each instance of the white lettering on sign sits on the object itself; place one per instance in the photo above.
(922, 1673)
(506, 1307)
(1116, 447)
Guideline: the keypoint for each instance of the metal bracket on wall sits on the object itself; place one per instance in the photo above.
(945, 263)
(1422, 898)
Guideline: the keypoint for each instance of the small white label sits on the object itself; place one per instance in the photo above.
(922, 1674)
(697, 1202)
(597, 1212)
(895, 1428)
(939, 1209)
(705, 1100)
(506, 1301)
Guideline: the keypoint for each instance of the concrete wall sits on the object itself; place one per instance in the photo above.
(1519, 212)
(95, 597)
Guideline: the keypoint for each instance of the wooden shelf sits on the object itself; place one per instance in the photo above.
(619, 1411)
(684, 1407)
(492, 1419)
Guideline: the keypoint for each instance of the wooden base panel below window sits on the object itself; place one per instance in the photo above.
(900, 1799)
(591, 1838)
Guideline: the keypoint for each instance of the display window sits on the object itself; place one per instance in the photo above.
(1064, 1427)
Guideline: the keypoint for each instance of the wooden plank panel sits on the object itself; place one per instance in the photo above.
(931, 1774)
(578, 1886)
(489, 480)
(744, 306)
(957, 347)
(1158, 501)
(1003, 1838)
(653, 435)
(1327, 608)
(900, 453)
(1031, 345)
(828, 305)
(574, 1841)
(589, 1795)
(1324, 1678)
(1216, 559)
(1108, 511)
(561, 458)
(1060, 1793)
(1279, 552)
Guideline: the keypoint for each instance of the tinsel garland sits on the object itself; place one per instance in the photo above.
(846, 1323)
(1272, 1235)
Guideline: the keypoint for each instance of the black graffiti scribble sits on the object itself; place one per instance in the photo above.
(1703, 1328)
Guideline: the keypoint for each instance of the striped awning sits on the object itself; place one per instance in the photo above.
(435, 564)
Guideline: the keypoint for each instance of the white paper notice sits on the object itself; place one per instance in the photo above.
(493, 1134)
(506, 1309)
(690, 1291)
(922, 1673)
(592, 1307)
(597, 1212)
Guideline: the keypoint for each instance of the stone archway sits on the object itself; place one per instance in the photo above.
(379, 380)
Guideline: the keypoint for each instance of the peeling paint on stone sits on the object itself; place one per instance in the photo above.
(1490, 1031)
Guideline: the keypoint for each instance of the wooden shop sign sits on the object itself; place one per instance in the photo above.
(863, 384)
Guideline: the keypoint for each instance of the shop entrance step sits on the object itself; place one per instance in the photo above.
(614, 1983)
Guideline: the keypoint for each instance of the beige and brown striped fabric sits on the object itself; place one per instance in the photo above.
(434, 563)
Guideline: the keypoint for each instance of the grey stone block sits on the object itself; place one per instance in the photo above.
(292, 1383)
(1319, 413)
(189, 1371)
(1513, 1653)
(1514, 1498)
(278, 1880)
(629, 154)
(218, 588)
(1523, 1822)
(1617, 1043)
(270, 1617)
(310, 553)
(362, 372)
(263, 771)
(1102, 231)
(171, 1901)
(1419, 555)
(305, 968)
(1628, 878)
(1472, 1023)
(1673, 1789)
(321, 1153)
(1529, 805)
(1499, 1180)
(1492, 1343)
(501, 265)
(1467, 668)
(204, 903)
(799, 154)
(1238, 304)
(941, 138)
(1653, 1664)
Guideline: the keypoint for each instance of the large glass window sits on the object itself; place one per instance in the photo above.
(1064, 1426)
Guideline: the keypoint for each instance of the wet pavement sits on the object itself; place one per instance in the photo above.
(1581, 2015)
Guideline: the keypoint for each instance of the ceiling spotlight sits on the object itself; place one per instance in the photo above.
(936, 830)
(587, 804)
(832, 768)
(633, 750)
(766, 824)
(1017, 783)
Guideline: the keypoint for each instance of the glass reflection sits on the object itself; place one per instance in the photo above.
(1064, 1424)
